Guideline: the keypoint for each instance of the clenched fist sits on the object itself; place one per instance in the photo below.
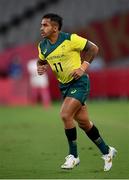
(41, 69)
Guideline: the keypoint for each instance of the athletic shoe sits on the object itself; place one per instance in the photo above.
(108, 158)
(70, 162)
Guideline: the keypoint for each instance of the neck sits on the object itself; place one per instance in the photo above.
(54, 38)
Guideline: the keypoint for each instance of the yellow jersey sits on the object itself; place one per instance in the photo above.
(63, 56)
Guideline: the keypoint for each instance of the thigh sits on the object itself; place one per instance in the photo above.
(77, 89)
(80, 89)
(70, 106)
(82, 118)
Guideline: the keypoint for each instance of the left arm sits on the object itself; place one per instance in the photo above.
(91, 51)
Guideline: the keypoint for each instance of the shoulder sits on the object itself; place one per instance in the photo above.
(70, 37)
(78, 42)
(65, 36)
(42, 43)
(76, 37)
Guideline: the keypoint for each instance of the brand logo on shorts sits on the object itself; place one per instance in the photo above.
(73, 91)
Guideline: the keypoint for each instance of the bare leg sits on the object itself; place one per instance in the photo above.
(83, 119)
(92, 132)
(69, 108)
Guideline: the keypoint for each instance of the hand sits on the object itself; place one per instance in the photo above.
(41, 69)
(77, 73)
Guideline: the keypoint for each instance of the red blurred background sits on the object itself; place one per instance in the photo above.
(108, 27)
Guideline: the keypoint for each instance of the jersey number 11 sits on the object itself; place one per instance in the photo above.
(58, 66)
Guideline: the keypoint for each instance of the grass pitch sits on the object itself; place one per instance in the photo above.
(33, 144)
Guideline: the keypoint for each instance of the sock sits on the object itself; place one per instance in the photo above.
(72, 136)
(94, 135)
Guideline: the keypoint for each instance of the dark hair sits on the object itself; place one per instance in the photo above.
(54, 17)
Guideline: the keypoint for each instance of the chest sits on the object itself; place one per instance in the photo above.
(59, 53)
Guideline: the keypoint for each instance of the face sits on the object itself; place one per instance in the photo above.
(48, 27)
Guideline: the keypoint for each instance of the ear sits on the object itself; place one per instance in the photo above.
(55, 28)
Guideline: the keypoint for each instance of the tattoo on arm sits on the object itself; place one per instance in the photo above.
(89, 52)
(87, 46)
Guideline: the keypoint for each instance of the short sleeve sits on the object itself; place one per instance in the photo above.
(78, 42)
(41, 56)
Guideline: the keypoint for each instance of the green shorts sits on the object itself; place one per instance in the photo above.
(78, 89)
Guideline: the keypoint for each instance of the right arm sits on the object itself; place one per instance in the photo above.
(41, 66)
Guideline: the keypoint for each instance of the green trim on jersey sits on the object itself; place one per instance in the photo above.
(46, 46)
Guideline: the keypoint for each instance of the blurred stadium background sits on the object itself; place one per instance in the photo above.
(106, 26)
(105, 22)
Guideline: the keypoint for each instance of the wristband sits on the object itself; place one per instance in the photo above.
(87, 62)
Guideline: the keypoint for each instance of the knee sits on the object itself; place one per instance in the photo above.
(64, 116)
